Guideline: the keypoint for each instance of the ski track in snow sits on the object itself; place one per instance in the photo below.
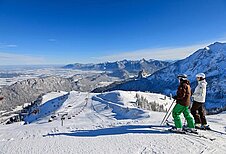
(94, 129)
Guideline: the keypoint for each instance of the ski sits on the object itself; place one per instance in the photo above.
(193, 134)
(215, 131)
(186, 132)
(198, 128)
(212, 130)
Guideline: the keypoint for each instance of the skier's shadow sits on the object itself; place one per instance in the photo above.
(119, 130)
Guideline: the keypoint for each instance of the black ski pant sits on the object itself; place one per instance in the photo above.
(198, 112)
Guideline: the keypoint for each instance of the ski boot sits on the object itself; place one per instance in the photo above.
(177, 130)
(191, 130)
(206, 127)
(198, 126)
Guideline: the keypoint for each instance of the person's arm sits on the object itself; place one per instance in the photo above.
(182, 92)
(197, 91)
(194, 94)
(202, 91)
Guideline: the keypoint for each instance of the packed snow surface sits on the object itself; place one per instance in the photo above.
(107, 123)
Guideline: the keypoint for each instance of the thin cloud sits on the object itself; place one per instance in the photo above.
(5, 45)
(14, 59)
(52, 40)
(165, 53)
(11, 45)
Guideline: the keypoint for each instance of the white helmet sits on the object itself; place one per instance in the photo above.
(201, 75)
(182, 76)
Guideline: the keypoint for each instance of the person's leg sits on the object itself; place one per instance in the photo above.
(188, 117)
(201, 111)
(177, 110)
(195, 113)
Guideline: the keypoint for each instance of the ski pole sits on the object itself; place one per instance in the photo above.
(167, 113)
(168, 117)
(164, 119)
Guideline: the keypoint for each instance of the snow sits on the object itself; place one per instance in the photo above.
(52, 95)
(207, 48)
(102, 84)
(53, 101)
(129, 98)
(92, 126)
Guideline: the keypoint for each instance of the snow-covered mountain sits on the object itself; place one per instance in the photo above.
(106, 123)
(210, 60)
(28, 90)
(131, 66)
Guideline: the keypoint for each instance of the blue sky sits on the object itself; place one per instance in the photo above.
(70, 31)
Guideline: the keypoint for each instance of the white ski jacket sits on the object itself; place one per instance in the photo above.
(200, 92)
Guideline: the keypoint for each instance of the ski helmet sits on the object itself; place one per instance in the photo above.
(201, 75)
(182, 76)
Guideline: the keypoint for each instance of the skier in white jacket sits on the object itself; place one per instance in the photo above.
(199, 98)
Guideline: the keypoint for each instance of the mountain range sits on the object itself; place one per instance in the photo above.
(123, 68)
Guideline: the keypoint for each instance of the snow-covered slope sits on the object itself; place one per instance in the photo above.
(91, 126)
(49, 104)
(120, 104)
(51, 95)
